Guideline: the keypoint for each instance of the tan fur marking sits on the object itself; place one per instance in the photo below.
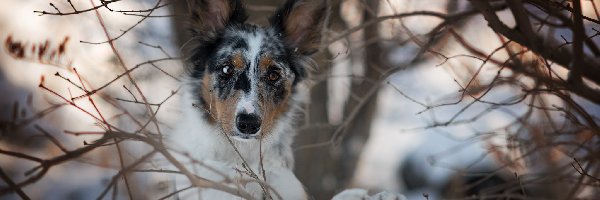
(264, 63)
(225, 112)
(220, 112)
(206, 95)
(238, 61)
(273, 111)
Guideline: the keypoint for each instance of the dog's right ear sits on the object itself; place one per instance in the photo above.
(210, 17)
(301, 22)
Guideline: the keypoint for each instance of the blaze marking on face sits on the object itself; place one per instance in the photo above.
(248, 102)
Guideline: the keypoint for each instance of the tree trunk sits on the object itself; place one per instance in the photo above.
(357, 132)
(314, 166)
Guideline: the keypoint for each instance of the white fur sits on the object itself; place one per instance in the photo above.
(208, 145)
(248, 101)
(362, 194)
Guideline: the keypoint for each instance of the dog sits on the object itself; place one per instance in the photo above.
(244, 85)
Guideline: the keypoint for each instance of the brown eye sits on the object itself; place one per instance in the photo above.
(273, 76)
(227, 70)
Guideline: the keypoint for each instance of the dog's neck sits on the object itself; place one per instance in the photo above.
(202, 140)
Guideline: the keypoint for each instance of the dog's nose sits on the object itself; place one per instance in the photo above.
(248, 123)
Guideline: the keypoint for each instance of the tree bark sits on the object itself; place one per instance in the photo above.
(357, 132)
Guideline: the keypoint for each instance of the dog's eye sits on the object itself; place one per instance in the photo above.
(227, 70)
(273, 76)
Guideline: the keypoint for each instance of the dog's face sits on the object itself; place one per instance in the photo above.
(245, 76)
(247, 83)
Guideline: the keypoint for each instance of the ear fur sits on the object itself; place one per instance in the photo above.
(300, 21)
(210, 17)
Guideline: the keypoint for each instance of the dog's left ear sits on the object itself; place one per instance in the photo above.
(210, 17)
(301, 22)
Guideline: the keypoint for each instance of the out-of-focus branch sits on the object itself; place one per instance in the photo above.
(447, 20)
(12, 185)
(45, 164)
(495, 23)
(523, 23)
(552, 9)
(578, 36)
(122, 63)
(124, 171)
(547, 5)
(75, 10)
(548, 49)
(560, 85)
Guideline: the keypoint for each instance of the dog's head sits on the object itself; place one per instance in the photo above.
(244, 76)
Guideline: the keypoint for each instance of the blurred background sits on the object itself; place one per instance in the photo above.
(435, 99)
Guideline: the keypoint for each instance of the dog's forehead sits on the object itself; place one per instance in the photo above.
(252, 41)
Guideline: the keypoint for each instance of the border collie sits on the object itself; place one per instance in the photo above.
(244, 85)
